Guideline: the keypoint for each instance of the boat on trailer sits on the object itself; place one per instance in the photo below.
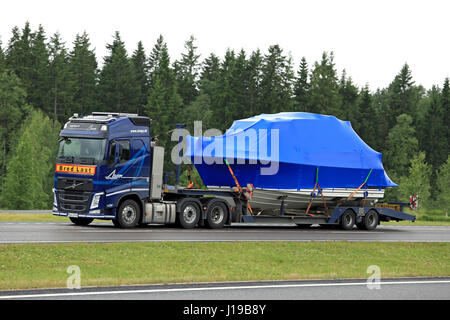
(294, 162)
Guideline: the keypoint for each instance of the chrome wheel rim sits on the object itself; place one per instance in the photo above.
(217, 215)
(129, 214)
(189, 214)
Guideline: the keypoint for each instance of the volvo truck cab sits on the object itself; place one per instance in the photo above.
(103, 160)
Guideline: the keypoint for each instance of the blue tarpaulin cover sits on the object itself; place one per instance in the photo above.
(284, 151)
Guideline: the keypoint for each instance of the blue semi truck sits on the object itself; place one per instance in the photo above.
(109, 168)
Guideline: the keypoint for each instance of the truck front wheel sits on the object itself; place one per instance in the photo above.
(128, 214)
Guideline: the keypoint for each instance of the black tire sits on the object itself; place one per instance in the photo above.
(369, 221)
(128, 215)
(328, 226)
(216, 215)
(116, 223)
(348, 220)
(189, 214)
(81, 221)
(303, 226)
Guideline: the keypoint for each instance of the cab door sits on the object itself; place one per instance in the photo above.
(118, 163)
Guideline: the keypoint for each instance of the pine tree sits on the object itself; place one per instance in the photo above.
(2, 58)
(27, 57)
(324, 91)
(84, 74)
(62, 85)
(366, 118)
(210, 89)
(254, 73)
(117, 84)
(210, 70)
(277, 81)
(140, 69)
(39, 89)
(224, 105)
(435, 143)
(155, 58)
(164, 103)
(19, 56)
(349, 101)
(301, 87)
(239, 83)
(187, 72)
(400, 93)
(382, 112)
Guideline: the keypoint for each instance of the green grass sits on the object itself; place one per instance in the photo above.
(25, 266)
(31, 217)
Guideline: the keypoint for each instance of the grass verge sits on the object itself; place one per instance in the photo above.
(44, 217)
(417, 223)
(25, 266)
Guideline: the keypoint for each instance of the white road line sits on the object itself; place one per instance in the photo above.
(49, 295)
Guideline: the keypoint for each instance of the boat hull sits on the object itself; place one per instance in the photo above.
(268, 200)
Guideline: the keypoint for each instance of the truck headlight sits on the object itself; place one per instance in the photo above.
(55, 202)
(95, 200)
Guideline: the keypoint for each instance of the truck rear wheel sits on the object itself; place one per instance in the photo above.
(216, 215)
(369, 221)
(81, 221)
(128, 214)
(348, 220)
(189, 214)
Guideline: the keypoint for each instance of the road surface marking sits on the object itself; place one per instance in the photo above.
(49, 295)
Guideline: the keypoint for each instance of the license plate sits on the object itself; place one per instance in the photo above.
(73, 215)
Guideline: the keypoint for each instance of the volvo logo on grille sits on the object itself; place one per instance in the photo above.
(74, 185)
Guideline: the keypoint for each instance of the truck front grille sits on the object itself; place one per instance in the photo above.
(74, 201)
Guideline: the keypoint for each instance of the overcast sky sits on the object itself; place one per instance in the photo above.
(370, 39)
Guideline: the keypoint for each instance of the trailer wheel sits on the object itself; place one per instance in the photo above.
(348, 219)
(128, 214)
(216, 215)
(189, 214)
(81, 221)
(370, 221)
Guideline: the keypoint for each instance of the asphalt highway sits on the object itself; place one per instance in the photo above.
(388, 289)
(43, 232)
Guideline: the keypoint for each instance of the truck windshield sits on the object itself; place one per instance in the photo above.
(82, 148)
